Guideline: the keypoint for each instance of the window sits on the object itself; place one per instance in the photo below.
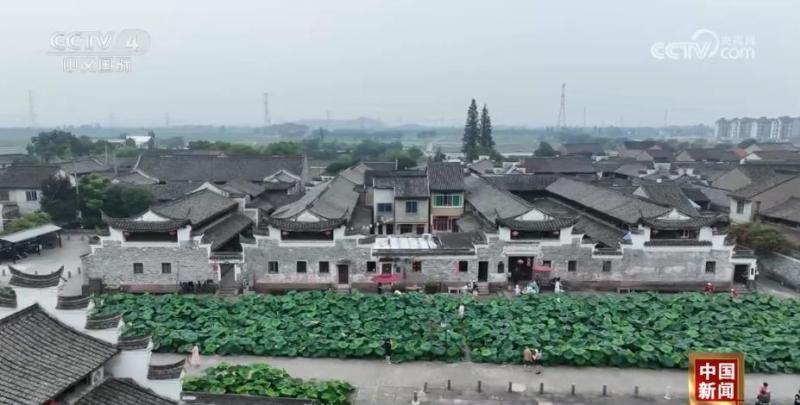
(501, 267)
(416, 266)
(711, 267)
(547, 263)
(411, 207)
(31, 195)
(606, 266)
(384, 207)
(3, 195)
(386, 268)
(166, 268)
(420, 229)
(441, 223)
(390, 229)
(463, 266)
(406, 228)
(324, 267)
(272, 267)
(572, 265)
(447, 200)
(739, 206)
(138, 268)
(301, 267)
(371, 267)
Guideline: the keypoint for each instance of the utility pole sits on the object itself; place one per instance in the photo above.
(562, 112)
(267, 120)
(31, 110)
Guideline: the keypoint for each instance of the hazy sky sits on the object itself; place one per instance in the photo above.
(402, 61)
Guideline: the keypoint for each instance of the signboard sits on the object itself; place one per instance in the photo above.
(716, 378)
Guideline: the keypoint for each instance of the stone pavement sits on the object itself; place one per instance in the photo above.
(68, 255)
(380, 383)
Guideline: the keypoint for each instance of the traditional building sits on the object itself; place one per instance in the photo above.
(54, 349)
(192, 241)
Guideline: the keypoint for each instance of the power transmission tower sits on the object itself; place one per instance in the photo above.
(267, 122)
(31, 110)
(562, 113)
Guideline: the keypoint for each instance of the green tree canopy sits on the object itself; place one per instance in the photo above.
(283, 148)
(760, 238)
(59, 199)
(27, 221)
(124, 201)
(545, 150)
(56, 144)
(485, 140)
(469, 142)
(91, 189)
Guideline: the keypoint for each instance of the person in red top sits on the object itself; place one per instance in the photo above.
(708, 288)
(763, 394)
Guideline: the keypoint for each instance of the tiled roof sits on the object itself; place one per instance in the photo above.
(550, 165)
(26, 176)
(612, 203)
(217, 168)
(225, 230)
(122, 391)
(248, 187)
(301, 226)
(84, 166)
(599, 231)
(334, 199)
(169, 191)
(406, 185)
(196, 207)
(549, 225)
(523, 182)
(445, 176)
(712, 155)
(491, 201)
(130, 225)
(27, 280)
(763, 184)
(40, 357)
(778, 155)
(677, 224)
(166, 371)
(671, 195)
(788, 210)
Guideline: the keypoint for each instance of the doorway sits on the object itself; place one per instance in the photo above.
(483, 271)
(386, 267)
(344, 273)
(521, 268)
(741, 273)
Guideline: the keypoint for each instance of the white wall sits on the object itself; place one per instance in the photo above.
(745, 216)
(382, 196)
(25, 206)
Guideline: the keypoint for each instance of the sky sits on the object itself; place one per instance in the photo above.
(404, 61)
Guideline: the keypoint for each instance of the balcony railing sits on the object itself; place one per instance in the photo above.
(677, 242)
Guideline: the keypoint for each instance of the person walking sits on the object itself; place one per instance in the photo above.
(517, 290)
(527, 358)
(797, 398)
(387, 350)
(380, 288)
(537, 361)
(194, 360)
(461, 311)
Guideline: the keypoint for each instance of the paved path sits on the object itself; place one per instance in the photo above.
(373, 378)
(68, 255)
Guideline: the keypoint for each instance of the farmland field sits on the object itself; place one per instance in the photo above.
(635, 330)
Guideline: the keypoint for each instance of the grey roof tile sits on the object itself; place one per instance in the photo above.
(122, 391)
(220, 233)
(40, 357)
(552, 165)
(217, 168)
(612, 203)
(26, 176)
(197, 207)
(445, 176)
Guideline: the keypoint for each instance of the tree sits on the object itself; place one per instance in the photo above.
(545, 150)
(151, 143)
(200, 145)
(125, 201)
(284, 148)
(175, 142)
(760, 238)
(59, 199)
(469, 142)
(485, 140)
(439, 156)
(55, 144)
(27, 221)
(91, 189)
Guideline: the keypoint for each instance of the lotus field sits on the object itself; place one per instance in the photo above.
(635, 330)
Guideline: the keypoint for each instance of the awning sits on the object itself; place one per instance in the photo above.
(541, 269)
(387, 278)
(31, 233)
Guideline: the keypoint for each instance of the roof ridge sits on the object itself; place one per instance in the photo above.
(36, 307)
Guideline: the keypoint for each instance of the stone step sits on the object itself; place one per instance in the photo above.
(228, 291)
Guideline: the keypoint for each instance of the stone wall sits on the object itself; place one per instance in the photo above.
(672, 268)
(783, 268)
(114, 265)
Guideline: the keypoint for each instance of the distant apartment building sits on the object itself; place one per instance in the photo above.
(763, 128)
